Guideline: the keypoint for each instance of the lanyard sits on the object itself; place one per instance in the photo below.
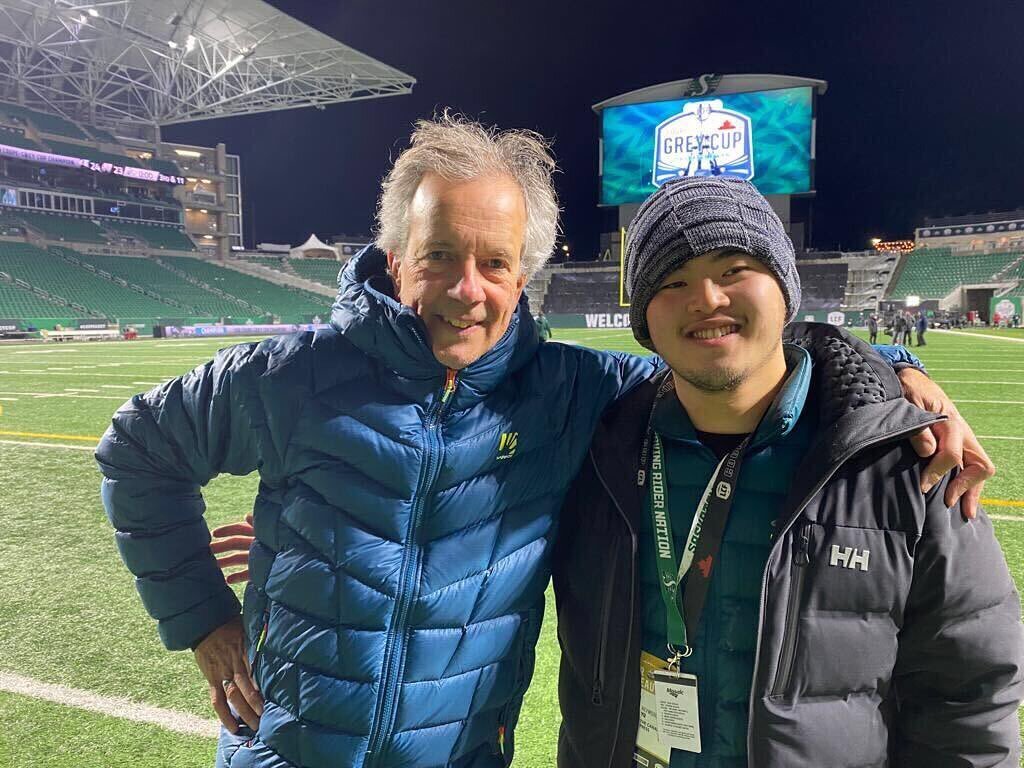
(702, 544)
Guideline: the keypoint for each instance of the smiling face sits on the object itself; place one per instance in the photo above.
(461, 270)
(718, 319)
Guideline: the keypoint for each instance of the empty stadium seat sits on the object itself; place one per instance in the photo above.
(823, 286)
(581, 291)
(20, 303)
(58, 277)
(158, 236)
(932, 273)
(61, 227)
(44, 122)
(280, 300)
(323, 271)
(148, 273)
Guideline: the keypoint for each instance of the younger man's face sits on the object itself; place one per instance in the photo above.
(718, 319)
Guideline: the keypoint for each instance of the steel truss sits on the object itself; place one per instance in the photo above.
(160, 62)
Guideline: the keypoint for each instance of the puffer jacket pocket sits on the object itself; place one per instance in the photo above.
(845, 606)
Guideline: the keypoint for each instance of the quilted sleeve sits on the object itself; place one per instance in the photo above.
(159, 449)
(958, 673)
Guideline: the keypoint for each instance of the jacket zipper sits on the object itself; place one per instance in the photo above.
(632, 591)
(782, 532)
(600, 658)
(394, 646)
(801, 558)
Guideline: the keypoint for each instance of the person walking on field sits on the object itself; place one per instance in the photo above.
(922, 326)
(873, 328)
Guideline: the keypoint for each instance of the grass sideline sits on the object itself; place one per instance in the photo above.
(69, 613)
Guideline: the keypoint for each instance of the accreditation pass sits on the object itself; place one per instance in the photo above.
(651, 751)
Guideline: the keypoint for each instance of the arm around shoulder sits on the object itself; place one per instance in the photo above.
(959, 673)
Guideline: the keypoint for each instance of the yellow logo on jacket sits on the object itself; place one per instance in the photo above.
(507, 445)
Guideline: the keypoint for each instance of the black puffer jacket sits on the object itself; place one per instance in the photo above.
(916, 661)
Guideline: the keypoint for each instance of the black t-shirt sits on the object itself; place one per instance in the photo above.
(720, 445)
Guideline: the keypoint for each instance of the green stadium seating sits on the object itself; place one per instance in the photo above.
(90, 153)
(101, 135)
(274, 262)
(168, 237)
(60, 278)
(162, 281)
(46, 123)
(17, 138)
(932, 273)
(62, 227)
(19, 303)
(323, 271)
(286, 302)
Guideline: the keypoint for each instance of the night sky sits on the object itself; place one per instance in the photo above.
(924, 113)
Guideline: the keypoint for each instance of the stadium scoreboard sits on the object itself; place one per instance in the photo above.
(765, 137)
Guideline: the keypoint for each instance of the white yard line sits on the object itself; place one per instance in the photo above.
(49, 445)
(998, 437)
(978, 382)
(977, 335)
(63, 394)
(111, 706)
(990, 402)
(1013, 518)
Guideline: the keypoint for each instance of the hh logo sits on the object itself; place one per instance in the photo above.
(848, 557)
(723, 490)
(507, 445)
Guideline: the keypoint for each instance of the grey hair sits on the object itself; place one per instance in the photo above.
(456, 149)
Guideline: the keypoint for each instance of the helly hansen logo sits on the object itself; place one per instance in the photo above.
(723, 490)
(848, 557)
(507, 445)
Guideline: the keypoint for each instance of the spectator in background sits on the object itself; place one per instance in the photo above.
(543, 326)
(922, 326)
(873, 327)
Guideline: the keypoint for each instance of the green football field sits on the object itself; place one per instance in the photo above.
(79, 657)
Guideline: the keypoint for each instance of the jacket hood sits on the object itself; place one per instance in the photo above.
(367, 314)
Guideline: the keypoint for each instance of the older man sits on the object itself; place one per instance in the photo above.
(412, 462)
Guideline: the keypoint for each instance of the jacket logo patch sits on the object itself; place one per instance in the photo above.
(507, 445)
(723, 490)
(849, 557)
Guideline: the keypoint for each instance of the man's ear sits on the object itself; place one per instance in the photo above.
(394, 264)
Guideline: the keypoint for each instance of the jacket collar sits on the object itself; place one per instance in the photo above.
(367, 315)
(671, 419)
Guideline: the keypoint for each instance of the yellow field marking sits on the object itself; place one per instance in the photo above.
(1002, 503)
(86, 438)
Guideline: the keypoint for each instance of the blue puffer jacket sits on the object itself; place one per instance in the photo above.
(403, 527)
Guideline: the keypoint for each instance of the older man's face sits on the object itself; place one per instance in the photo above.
(461, 269)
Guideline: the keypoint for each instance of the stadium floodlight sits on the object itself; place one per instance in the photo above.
(134, 64)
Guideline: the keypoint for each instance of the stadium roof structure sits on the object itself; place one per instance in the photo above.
(160, 62)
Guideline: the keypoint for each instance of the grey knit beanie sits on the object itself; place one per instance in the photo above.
(691, 216)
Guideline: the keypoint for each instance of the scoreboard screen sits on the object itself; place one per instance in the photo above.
(763, 136)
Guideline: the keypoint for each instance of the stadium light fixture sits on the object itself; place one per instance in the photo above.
(92, 12)
(565, 248)
(207, 181)
(190, 43)
(187, 153)
(172, 44)
(203, 210)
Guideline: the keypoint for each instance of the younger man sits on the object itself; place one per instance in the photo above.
(753, 575)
